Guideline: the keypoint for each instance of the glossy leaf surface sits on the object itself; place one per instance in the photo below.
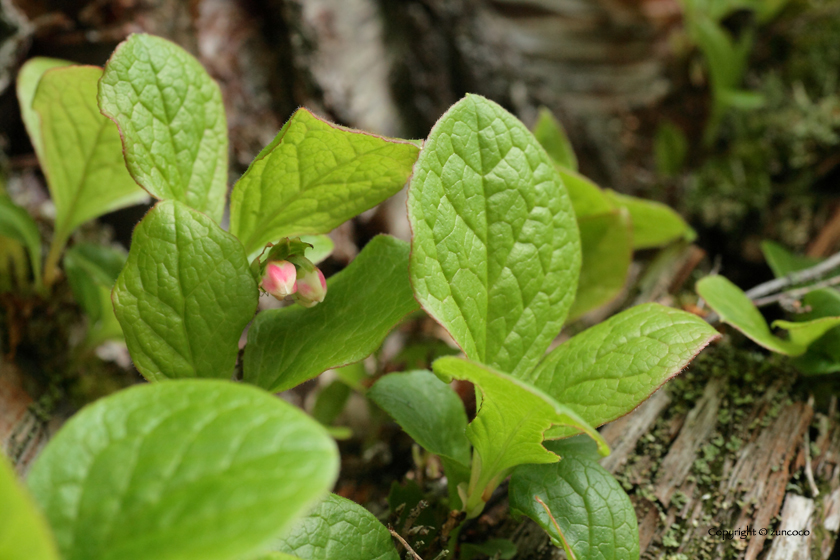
(186, 470)
(607, 370)
(495, 253)
(339, 528)
(313, 177)
(24, 533)
(595, 516)
(185, 295)
(172, 121)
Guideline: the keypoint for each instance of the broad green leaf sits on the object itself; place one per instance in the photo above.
(510, 426)
(273, 556)
(595, 516)
(495, 252)
(17, 224)
(428, 410)
(82, 156)
(313, 177)
(823, 356)
(172, 121)
(322, 247)
(92, 271)
(552, 136)
(339, 529)
(186, 470)
(782, 262)
(24, 533)
(27, 83)
(654, 224)
(609, 369)
(607, 244)
(364, 302)
(185, 295)
(735, 308)
(588, 199)
(670, 148)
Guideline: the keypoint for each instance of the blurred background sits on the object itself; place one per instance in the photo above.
(727, 110)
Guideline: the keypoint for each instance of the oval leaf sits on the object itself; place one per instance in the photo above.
(313, 177)
(595, 516)
(82, 155)
(735, 308)
(172, 120)
(339, 528)
(588, 199)
(185, 295)
(428, 410)
(609, 369)
(364, 302)
(24, 533)
(823, 356)
(190, 469)
(495, 249)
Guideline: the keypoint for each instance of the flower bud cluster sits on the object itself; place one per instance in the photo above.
(304, 281)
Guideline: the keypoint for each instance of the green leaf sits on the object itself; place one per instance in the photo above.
(339, 529)
(27, 84)
(654, 224)
(172, 121)
(92, 271)
(82, 155)
(495, 252)
(190, 469)
(17, 224)
(505, 549)
(580, 445)
(14, 267)
(510, 426)
(24, 533)
(595, 516)
(552, 136)
(185, 295)
(823, 356)
(670, 148)
(322, 247)
(313, 177)
(609, 369)
(364, 302)
(607, 244)
(735, 308)
(588, 199)
(782, 262)
(428, 410)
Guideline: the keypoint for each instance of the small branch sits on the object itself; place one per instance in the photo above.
(809, 471)
(795, 294)
(812, 273)
(411, 553)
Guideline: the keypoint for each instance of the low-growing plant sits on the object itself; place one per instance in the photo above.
(506, 244)
(814, 305)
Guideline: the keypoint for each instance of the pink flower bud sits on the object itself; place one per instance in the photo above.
(279, 279)
(312, 287)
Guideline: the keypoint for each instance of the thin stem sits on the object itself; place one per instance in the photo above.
(805, 275)
(51, 264)
(407, 546)
(797, 293)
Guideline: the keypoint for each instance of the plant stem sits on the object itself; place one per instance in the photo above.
(798, 277)
(51, 264)
(797, 293)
